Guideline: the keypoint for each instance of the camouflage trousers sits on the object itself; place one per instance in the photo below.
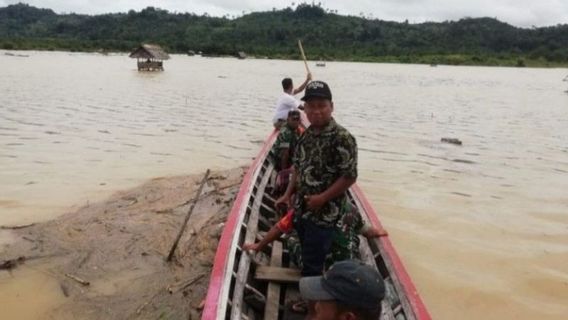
(337, 249)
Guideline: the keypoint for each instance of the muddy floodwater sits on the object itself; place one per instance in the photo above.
(481, 227)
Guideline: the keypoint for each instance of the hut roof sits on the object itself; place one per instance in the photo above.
(150, 51)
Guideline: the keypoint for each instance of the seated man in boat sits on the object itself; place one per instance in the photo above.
(287, 101)
(324, 167)
(283, 150)
(348, 290)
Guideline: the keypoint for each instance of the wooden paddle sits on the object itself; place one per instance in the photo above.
(303, 55)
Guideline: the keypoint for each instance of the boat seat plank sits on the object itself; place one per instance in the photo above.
(273, 293)
(277, 274)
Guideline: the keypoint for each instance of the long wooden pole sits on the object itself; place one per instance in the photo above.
(174, 246)
(303, 55)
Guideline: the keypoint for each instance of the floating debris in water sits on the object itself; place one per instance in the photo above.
(463, 161)
(452, 141)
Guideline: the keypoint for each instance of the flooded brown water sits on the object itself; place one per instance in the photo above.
(482, 228)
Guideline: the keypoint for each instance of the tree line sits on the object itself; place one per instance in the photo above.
(273, 34)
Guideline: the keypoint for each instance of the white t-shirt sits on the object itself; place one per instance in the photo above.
(285, 104)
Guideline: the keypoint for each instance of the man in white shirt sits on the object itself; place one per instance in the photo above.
(287, 101)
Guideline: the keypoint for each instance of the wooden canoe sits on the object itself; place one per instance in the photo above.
(261, 286)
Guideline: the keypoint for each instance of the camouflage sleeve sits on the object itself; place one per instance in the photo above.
(347, 155)
(286, 136)
(282, 141)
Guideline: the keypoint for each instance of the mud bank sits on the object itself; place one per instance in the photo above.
(119, 247)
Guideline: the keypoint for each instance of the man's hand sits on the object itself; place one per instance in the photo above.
(314, 201)
(283, 200)
(309, 77)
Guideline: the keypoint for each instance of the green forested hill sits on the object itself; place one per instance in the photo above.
(326, 35)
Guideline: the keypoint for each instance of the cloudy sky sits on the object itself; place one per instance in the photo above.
(524, 13)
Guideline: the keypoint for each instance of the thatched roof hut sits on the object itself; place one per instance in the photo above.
(151, 55)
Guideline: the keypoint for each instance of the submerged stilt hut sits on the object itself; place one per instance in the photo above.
(150, 57)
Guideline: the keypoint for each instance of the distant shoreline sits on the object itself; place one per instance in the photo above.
(438, 60)
(326, 35)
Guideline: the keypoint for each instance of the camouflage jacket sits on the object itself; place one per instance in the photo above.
(286, 139)
(320, 158)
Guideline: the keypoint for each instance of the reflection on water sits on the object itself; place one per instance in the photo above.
(485, 223)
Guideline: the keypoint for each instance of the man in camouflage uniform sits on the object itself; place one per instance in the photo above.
(324, 167)
(282, 150)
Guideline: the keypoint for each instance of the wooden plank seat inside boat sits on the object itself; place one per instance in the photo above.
(274, 290)
(277, 274)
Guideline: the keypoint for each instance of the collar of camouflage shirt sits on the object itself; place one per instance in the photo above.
(328, 128)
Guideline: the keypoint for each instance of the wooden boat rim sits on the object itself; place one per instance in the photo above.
(225, 255)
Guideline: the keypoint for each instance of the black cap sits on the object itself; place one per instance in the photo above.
(317, 89)
(349, 282)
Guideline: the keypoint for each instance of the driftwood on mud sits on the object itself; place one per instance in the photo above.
(115, 245)
(17, 227)
(175, 244)
(180, 286)
(12, 263)
(205, 195)
(77, 279)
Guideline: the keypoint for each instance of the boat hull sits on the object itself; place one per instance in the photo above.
(237, 290)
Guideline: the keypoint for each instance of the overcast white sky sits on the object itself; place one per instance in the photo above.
(524, 13)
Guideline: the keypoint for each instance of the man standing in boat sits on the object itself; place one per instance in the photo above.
(287, 102)
(324, 167)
